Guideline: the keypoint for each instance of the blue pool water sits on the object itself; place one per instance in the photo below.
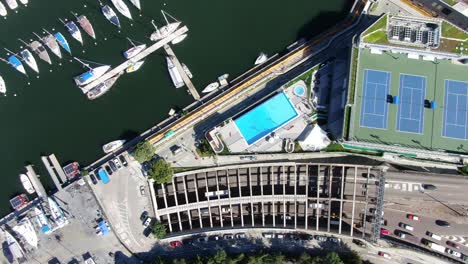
(299, 90)
(265, 118)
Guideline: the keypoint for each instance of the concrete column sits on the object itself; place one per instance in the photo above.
(251, 195)
(295, 195)
(354, 200)
(187, 201)
(208, 201)
(307, 196)
(163, 187)
(284, 176)
(318, 200)
(273, 209)
(261, 192)
(330, 176)
(341, 197)
(198, 200)
(230, 202)
(169, 222)
(177, 203)
(219, 198)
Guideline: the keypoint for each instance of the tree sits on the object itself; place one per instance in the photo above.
(159, 230)
(204, 149)
(332, 258)
(179, 261)
(159, 260)
(144, 151)
(161, 171)
(219, 258)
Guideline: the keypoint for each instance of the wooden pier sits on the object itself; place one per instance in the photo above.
(140, 56)
(36, 183)
(184, 76)
(52, 173)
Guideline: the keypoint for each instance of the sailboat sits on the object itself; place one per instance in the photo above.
(57, 213)
(211, 87)
(12, 4)
(26, 230)
(51, 43)
(110, 15)
(42, 220)
(29, 59)
(73, 30)
(15, 248)
(165, 30)
(37, 48)
(179, 39)
(136, 3)
(62, 41)
(261, 58)
(27, 185)
(3, 10)
(85, 25)
(112, 146)
(134, 50)
(2, 85)
(122, 8)
(90, 75)
(15, 63)
(134, 67)
(102, 88)
(24, 2)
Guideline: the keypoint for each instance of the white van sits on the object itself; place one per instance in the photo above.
(434, 236)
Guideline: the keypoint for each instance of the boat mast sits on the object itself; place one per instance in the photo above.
(45, 30)
(7, 62)
(24, 42)
(74, 14)
(169, 15)
(154, 25)
(131, 42)
(164, 15)
(11, 52)
(84, 64)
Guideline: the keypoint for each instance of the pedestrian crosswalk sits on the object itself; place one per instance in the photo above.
(403, 186)
(458, 239)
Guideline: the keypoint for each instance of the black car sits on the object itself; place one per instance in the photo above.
(93, 179)
(442, 223)
(147, 231)
(112, 165)
(123, 160)
(108, 169)
(143, 216)
(359, 243)
(428, 187)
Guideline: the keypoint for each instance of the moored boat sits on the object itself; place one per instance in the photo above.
(102, 88)
(91, 75)
(19, 201)
(50, 41)
(29, 59)
(179, 39)
(62, 41)
(86, 25)
(12, 4)
(174, 73)
(27, 185)
(134, 50)
(73, 30)
(2, 85)
(26, 230)
(136, 3)
(15, 248)
(16, 63)
(261, 58)
(37, 48)
(110, 15)
(166, 30)
(122, 8)
(211, 87)
(134, 67)
(187, 71)
(112, 146)
(57, 214)
(24, 2)
(3, 10)
(42, 220)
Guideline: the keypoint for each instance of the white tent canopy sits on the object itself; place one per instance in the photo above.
(315, 140)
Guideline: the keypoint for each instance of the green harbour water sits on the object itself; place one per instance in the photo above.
(49, 114)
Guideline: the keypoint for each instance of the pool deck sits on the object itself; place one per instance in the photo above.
(236, 143)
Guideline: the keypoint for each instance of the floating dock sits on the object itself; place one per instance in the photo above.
(58, 168)
(53, 167)
(185, 78)
(36, 183)
(140, 56)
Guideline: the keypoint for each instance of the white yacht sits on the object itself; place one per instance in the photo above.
(2, 85)
(122, 8)
(211, 87)
(29, 59)
(12, 4)
(15, 248)
(57, 213)
(134, 67)
(26, 230)
(179, 39)
(27, 185)
(3, 10)
(174, 73)
(112, 146)
(261, 58)
(102, 88)
(165, 30)
(187, 71)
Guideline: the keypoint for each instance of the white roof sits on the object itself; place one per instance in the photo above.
(315, 140)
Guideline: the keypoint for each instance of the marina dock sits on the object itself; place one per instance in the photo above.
(186, 79)
(52, 173)
(36, 183)
(140, 56)
(58, 168)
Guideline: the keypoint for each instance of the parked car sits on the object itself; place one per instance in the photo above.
(123, 160)
(202, 239)
(334, 240)
(434, 236)
(406, 226)
(240, 236)
(108, 169)
(385, 255)
(321, 238)
(429, 187)
(384, 231)
(279, 236)
(117, 163)
(143, 216)
(228, 236)
(175, 244)
(453, 244)
(359, 243)
(112, 165)
(93, 178)
(145, 166)
(142, 190)
(442, 223)
(413, 217)
(147, 222)
(215, 238)
(147, 231)
(400, 234)
(453, 253)
(267, 235)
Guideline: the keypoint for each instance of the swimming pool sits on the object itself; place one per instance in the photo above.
(265, 118)
(299, 90)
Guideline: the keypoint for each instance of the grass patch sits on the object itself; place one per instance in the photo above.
(374, 7)
(352, 83)
(334, 148)
(379, 37)
(306, 77)
(183, 169)
(451, 2)
(204, 149)
(297, 147)
(347, 118)
(380, 24)
(450, 31)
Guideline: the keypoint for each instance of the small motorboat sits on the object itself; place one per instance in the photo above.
(27, 185)
(86, 25)
(12, 4)
(122, 8)
(3, 10)
(211, 87)
(73, 30)
(179, 39)
(29, 59)
(62, 41)
(91, 75)
(136, 3)
(110, 15)
(102, 88)
(187, 71)
(50, 41)
(130, 53)
(2, 85)
(24, 2)
(134, 67)
(112, 146)
(261, 58)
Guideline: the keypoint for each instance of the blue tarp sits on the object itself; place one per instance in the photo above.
(103, 175)
(103, 227)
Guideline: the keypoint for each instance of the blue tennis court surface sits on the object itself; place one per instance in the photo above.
(411, 107)
(456, 110)
(374, 108)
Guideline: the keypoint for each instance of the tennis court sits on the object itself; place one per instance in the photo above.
(411, 107)
(456, 110)
(374, 109)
